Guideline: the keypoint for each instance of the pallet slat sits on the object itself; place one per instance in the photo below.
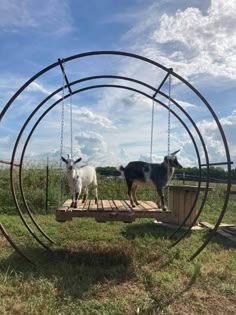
(110, 210)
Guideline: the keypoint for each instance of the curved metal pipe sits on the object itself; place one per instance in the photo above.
(13, 244)
(178, 77)
(99, 86)
(199, 184)
(49, 97)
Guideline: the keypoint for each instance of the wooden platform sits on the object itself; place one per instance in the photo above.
(111, 210)
(226, 230)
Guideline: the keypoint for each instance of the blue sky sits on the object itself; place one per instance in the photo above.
(112, 126)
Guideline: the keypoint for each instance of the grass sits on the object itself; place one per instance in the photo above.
(117, 268)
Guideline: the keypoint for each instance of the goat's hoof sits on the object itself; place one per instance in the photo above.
(75, 205)
(164, 209)
(133, 206)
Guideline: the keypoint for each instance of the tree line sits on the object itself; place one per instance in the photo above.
(188, 173)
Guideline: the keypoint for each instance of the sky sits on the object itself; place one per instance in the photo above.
(112, 126)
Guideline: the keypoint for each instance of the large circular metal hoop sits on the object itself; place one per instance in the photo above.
(157, 92)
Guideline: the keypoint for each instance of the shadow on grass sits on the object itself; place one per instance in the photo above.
(222, 241)
(141, 230)
(74, 272)
(162, 303)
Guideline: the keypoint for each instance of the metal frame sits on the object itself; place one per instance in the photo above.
(13, 244)
(157, 92)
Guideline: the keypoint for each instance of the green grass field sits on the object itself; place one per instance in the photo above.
(116, 268)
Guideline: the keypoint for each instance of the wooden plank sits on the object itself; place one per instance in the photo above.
(219, 231)
(143, 205)
(67, 203)
(136, 208)
(113, 206)
(106, 205)
(86, 205)
(189, 199)
(93, 206)
(126, 205)
(151, 204)
(188, 188)
(118, 204)
(99, 205)
(62, 214)
(121, 205)
(80, 206)
(146, 205)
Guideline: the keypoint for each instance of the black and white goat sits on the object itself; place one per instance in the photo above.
(80, 179)
(156, 174)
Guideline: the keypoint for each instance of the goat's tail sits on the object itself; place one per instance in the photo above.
(121, 168)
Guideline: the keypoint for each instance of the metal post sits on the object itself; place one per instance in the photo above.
(46, 188)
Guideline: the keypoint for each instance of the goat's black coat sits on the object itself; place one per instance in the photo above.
(139, 173)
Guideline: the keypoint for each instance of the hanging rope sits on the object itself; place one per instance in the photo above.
(66, 82)
(152, 127)
(62, 120)
(169, 108)
(62, 139)
(168, 141)
(71, 128)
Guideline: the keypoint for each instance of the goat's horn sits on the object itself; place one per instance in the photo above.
(68, 156)
(174, 153)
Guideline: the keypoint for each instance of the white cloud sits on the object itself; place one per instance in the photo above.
(185, 105)
(90, 142)
(213, 139)
(198, 44)
(50, 16)
(83, 114)
(201, 43)
(37, 87)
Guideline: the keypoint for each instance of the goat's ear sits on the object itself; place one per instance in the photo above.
(174, 153)
(78, 160)
(64, 160)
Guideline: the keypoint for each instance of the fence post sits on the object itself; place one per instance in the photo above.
(47, 186)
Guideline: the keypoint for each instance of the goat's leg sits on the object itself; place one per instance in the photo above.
(73, 199)
(85, 194)
(72, 202)
(76, 198)
(158, 201)
(96, 193)
(129, 185)
(160, 193)
(133, 191)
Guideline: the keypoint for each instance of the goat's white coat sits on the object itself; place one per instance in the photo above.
(79, 180)
(84, 177)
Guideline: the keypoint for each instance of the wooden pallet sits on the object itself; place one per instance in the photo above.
(226, 230)
(111, 210)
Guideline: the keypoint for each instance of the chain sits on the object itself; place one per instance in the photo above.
(169, 108)
(71, 128)
(168, 149)
(62, 119)
(152, 127)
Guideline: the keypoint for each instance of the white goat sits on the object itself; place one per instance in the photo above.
(79, 180)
